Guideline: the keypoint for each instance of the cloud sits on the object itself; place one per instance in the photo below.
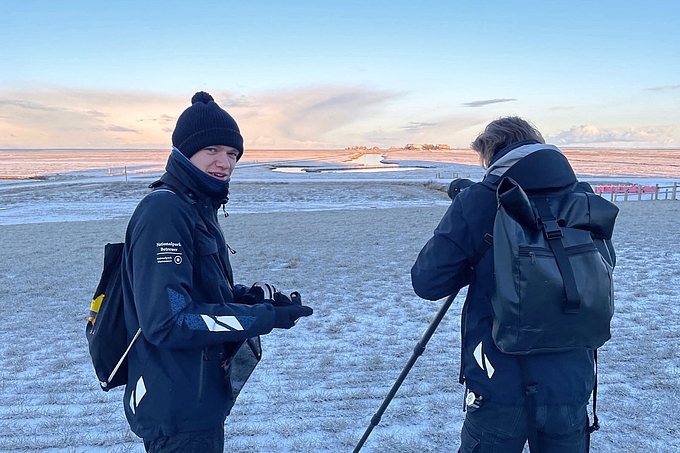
(487, 102)
(165, 120)
(22, 104)
(590, 135)
(454, 130)
(121, 129)
(95, 113)
(415, 126)
(313, 116)
(327, 116)
(340, 116)
(663, 88)
(227, 101)
(64, 117)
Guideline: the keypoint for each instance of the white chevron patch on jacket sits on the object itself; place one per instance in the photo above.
(137, 394)
(222, 323)
(483, 361)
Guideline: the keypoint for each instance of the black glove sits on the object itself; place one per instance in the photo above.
(257, 294)
(265, 289)
(281, 300)
(287, 316)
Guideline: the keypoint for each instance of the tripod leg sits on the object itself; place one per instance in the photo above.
(417, 352)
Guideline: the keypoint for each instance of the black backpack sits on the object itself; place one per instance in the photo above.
(107, 335)
(553, 276)
(553, 271)
(105, 331)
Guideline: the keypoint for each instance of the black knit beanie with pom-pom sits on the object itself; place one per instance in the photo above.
(204, 124)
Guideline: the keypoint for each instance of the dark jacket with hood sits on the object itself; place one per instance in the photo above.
(444, 266)
(178, 287)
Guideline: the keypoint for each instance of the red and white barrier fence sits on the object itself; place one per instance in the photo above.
(626, 192)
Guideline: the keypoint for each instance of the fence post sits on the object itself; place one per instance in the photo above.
(640, 192)
(125, 170)
(656, 193)
(625, 193)
(611, 194)
(675, 190)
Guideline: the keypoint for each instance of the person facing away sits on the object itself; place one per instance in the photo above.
(179, 289)
(496, 419)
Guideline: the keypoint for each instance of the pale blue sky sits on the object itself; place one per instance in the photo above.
(336, 74)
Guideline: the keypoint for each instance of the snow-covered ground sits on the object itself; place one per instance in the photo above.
(346, 241)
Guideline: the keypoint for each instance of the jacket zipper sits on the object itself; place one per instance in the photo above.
(201, 374)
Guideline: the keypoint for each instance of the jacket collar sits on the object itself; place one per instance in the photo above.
(181, 170)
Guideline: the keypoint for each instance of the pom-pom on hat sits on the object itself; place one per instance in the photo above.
(204, 124)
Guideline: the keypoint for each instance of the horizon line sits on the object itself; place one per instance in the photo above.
(571, 147)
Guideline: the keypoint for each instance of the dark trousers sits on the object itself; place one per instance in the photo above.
(208, 441)
(497, 428)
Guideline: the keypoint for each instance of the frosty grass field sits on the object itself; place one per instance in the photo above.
(346, 242)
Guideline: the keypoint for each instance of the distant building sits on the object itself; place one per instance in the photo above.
(441, 146)
(425, 146)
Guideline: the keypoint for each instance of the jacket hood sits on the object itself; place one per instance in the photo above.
(534, 166)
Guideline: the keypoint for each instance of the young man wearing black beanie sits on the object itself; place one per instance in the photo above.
(179, 290)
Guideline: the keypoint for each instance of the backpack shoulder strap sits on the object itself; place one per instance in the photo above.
(169, 183)
(487, 241)
(481, 249)
(553, 234)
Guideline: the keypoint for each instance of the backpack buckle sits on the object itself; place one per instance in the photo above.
(552, 230)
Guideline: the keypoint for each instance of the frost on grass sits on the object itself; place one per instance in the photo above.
(319, 383)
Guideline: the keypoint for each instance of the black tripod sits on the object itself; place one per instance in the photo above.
(417, 352)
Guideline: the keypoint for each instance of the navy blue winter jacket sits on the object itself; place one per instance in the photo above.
(444, 266)
(178, 287)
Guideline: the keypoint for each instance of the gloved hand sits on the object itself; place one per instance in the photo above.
(257, 294)
(287, 315)
(265, 289)
(281, 300)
